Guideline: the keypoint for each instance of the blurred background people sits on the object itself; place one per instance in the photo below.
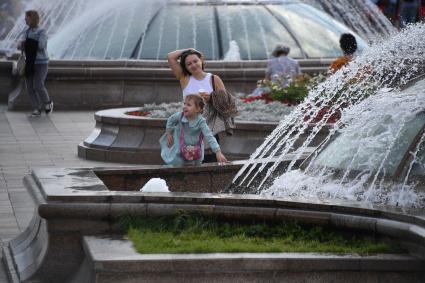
(281, 66)
(390, 10)
(348, 44)
(402, 12)
(281, 69)
(409, 12)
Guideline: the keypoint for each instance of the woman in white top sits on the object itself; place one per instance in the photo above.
(188, 67)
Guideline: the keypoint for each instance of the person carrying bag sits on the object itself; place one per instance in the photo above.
(34, 47)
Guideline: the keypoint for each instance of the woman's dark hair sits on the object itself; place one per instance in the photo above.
(348, 43)
(183, 60)
(198, 100)
(34, 18)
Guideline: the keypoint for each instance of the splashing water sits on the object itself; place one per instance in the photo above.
(374, 140)
(233, 54)
(363, 91)
(362, 16)
(55, 14)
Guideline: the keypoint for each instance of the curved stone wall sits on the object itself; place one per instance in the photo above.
(118, 137)
(78, 206)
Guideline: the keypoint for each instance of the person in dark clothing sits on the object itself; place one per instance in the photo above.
(348, 44)
(390, 10)
(409, 10)
(34, 45)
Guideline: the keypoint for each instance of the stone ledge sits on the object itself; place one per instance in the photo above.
(110, 259)
(164, 64)
(107, 84)
(107, 251)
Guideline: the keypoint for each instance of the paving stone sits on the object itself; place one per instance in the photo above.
(5, 203)
(14, 175)
(14, 183)
(36, 155)
(8, 224)
(23, 219)
(25, 144)
(10, 234)
(10, 159)
(19, 196)
(7, 210)
(10, 148)
(4, 196)
(16, 189)
(38, 163)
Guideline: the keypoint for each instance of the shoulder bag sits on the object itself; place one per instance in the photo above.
(20, 65)
(190, 152)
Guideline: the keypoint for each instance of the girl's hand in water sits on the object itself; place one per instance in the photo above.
(170, 140)
(221, 159)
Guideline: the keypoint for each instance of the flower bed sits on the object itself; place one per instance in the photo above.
(271, 106)
(257, 110)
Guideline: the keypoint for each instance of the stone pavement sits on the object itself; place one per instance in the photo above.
(26, 143)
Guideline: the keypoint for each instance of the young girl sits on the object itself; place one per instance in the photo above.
(182, 143)
(188, 67)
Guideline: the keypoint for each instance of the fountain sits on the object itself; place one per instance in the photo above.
(87, 35)
(369, 150)
(74, 234)
(362, 16)
(382, 69)
(97, 30)
(75, 220)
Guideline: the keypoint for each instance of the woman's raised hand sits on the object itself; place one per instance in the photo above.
(174, 64)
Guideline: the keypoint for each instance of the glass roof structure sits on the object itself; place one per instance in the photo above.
(151, 29)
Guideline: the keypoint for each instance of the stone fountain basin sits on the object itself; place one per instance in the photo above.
(101, 84)
(118, 137)
(72, 236)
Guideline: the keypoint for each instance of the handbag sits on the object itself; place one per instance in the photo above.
(191, 152)
(20, 65)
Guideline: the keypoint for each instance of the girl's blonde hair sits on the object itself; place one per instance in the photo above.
(197, 99)
(34, 18)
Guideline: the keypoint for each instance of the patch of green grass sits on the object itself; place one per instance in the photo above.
(189, 233)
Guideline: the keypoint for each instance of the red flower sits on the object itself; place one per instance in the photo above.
(267, 99)
(138, 113)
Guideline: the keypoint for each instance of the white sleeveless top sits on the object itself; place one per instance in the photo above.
(193, 86)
